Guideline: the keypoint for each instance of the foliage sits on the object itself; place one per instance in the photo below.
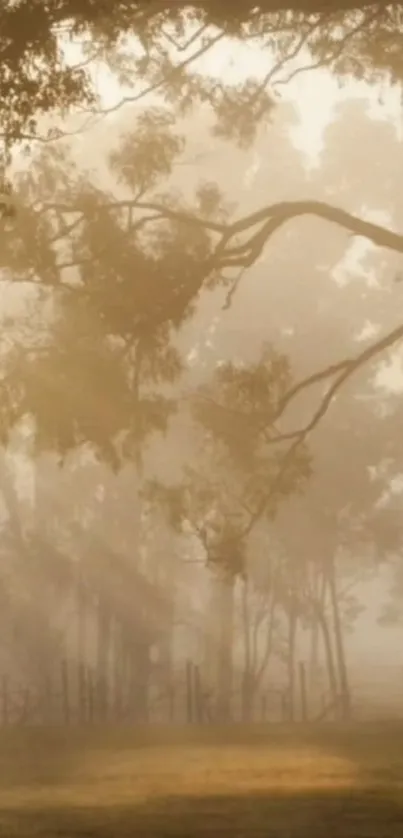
(147, 154)
(239, 405)
(114, 275)
(35, 575)
(355, 38)
(242, 476)
(110, 279)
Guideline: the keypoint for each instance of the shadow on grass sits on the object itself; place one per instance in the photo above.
(46, 756)
(341, 814)
(375, 749)
(46, 762)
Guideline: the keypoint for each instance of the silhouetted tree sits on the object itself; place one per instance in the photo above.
(243, 476)
(355, 38)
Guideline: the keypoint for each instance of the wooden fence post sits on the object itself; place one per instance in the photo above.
(65, 693)
(285, 712)
(5, 703)
(189, 692)
(47, 700)
(26, 705)
(82, 693)
(171, 700)
(198, 695)
(264, 707)
(90, 696)
(302, 684)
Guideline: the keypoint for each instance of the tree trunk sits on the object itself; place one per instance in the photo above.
(104, 626)
(81, 651)
(225, 582)
(125, 670)
(261, 661)
(118, 671)
(314, 656)
(327, 643)
(165, 647)
(318, 600)
(292, 636)
(345, 699)
(140, 666)
(247, 689)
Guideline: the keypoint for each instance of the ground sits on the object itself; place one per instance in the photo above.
(323, 782)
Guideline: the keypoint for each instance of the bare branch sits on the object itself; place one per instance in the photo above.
(234, 288)
(343, 370)
(272, 218)
(294, 52)
(164, 79)
(332, 369)
(347, 369)
(182, 47)
(337, 51)
(299, 437)
(159, 211)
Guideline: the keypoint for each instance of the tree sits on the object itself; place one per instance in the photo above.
(85, 595)
(118, 271)
(110, 279)
(353, 37)
(239, 244)
(241, 479)
(36, 574)
(351, 534)
(124, 343)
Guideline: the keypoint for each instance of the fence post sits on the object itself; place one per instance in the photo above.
(264, 707)
(47, 700)
(90, 695)
(189, 692)
(65, 693)
(26, 705)
(302, 683)
(198, 694)
(171, 700)
(5, 704)
(82, 693)
(285, 713)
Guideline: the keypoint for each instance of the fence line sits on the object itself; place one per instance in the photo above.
(78, 697)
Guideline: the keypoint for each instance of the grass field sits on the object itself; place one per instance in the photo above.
(276, 783)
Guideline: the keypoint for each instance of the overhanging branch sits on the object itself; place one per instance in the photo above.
(270, 219)
(347, 369)
(267, 220)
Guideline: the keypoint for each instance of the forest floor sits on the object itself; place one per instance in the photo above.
(276, 782)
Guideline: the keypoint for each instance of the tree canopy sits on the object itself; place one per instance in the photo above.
(284, 426)
(359, 39)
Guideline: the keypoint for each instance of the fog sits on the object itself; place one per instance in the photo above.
(163, 540)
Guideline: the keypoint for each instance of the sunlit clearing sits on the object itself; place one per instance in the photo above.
(105, 778)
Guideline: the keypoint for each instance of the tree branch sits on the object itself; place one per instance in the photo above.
(299, 437)
(337, 50)
(160, 211)
(343, 369)
(164, 79)
(273, 217)
(346, 370)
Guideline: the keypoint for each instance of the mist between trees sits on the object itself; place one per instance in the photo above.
(200, 392)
